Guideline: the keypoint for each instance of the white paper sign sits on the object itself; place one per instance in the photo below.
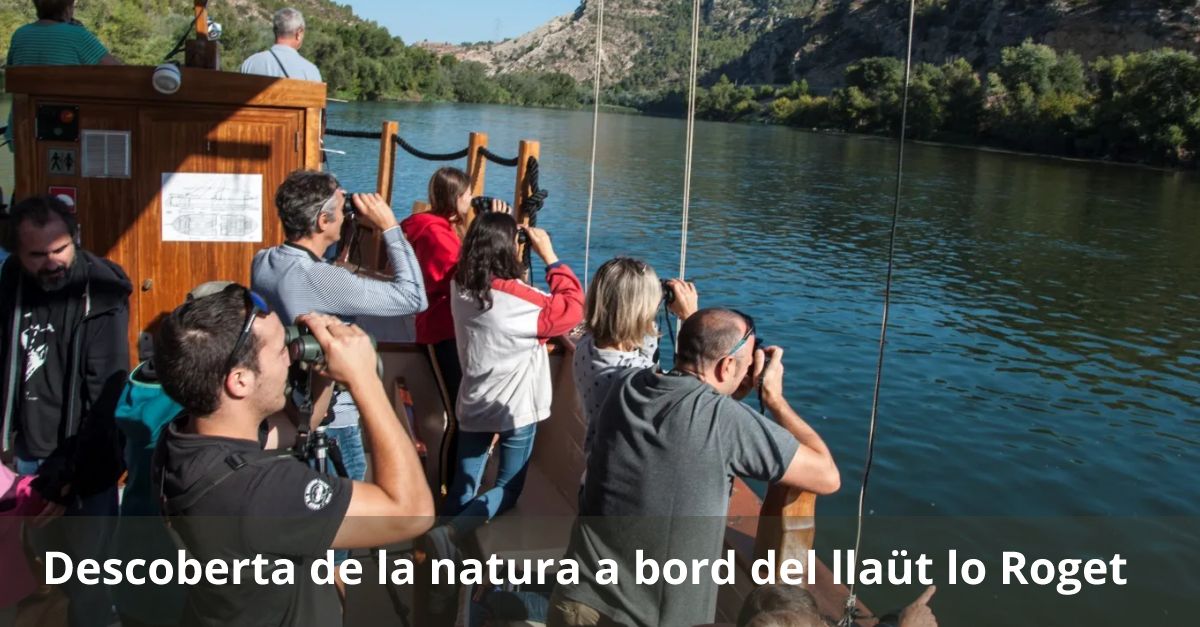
(211, 207)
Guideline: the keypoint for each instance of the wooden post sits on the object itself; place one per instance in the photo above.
(202, 19)
(786, 524)
(387, 161)
(528, 148)
(476, 164)
(200, 52)
(476, 171)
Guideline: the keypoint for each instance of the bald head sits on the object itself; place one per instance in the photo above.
(716, 346)
(707, 336)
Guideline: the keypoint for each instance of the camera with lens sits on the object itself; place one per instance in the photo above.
(668, 293)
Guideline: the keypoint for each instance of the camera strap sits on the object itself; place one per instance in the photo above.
(281, 66)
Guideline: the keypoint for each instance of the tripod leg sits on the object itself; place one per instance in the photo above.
(335, 457)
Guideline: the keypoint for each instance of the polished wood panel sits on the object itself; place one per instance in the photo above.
(132, 84)
(196, 140)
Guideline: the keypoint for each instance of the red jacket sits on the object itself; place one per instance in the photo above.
(436, 244)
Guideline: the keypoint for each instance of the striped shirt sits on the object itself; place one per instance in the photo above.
(56, 43)
(295, 282)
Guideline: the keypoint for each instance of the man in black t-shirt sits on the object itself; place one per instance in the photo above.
(63, 362)
(223, 358)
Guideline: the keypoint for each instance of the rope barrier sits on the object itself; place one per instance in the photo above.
(429, 156)
(333, 132)
(497, 159)
(587, 237)
(851, 600)
(535, 198)
(691, 128)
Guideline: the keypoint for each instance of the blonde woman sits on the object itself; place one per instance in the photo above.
(621, 335)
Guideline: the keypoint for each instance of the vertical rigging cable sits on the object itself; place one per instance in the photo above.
(691, 125)
(587, 239)
(848, 617)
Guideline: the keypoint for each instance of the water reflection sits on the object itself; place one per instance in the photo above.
(1045, 351)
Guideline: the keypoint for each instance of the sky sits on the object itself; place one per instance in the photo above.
(456, 21)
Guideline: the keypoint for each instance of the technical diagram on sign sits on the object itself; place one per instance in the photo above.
(200, 207)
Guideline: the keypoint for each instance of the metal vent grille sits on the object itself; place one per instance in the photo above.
(106, 154)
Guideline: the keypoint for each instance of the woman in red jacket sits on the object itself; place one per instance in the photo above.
(436, 244)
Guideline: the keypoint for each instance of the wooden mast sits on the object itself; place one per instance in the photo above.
(200, 52)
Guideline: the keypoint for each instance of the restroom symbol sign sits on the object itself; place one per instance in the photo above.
(61, 161)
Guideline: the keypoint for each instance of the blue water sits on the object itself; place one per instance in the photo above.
(1045, 315)
(1043, 358)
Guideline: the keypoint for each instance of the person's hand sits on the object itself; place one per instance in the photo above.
(374, 210)
(539, 241)
(751, 380)
(48, 513)
(499, 206)
(350, 359)
(918, 614)
(770, 380)
(686, 301)
(51, 510)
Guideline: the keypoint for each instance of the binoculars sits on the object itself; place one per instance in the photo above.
(348, 210)
(303, 347)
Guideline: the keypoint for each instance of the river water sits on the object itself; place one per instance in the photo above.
(1042, 371)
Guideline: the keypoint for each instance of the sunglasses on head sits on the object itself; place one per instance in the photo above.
(749, 331)
(256, 306)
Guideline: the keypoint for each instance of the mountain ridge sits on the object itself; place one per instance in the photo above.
(765, 41)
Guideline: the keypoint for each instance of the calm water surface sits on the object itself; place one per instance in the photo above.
(1044, 351)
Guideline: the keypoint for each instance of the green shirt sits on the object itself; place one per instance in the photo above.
(58, 43)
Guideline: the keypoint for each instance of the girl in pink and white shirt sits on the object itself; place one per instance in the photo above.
(502, 325)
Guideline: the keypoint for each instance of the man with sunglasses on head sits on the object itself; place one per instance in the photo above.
(224, 360)
(665, 451)
(295, 279)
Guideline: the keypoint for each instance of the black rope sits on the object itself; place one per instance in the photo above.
(181, 44)
(333, 132)
(535, 198)
(429, 156)
(498, 160)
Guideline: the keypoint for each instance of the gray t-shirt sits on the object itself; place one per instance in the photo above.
(666, 449)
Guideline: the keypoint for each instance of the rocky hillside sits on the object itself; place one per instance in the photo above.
(777, 41)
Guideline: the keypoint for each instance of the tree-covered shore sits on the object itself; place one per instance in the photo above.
(1138, 107)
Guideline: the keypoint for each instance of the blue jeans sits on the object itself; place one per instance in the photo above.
(470, 510)
(85, 531)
